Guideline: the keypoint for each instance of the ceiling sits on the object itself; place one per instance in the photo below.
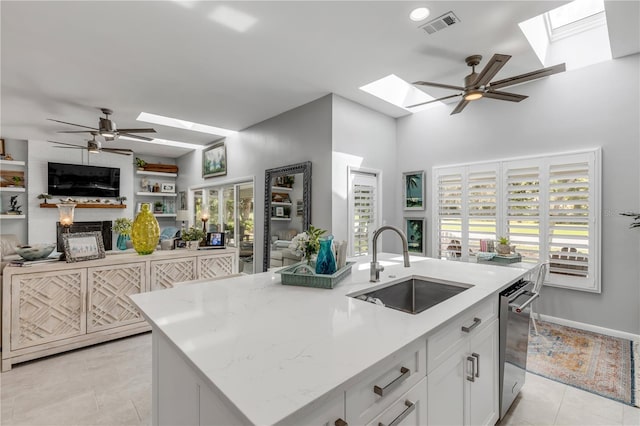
(65, 60)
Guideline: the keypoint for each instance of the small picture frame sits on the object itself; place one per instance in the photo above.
(179, 244)
(83, 246)
(299, 207)
(214, 160)
(413, 190)
(279, 211)
(414, 229)
(168, 187)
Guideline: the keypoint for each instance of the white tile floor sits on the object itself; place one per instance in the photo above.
(110, 384)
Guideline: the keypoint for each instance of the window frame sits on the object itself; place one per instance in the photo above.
(377, 174)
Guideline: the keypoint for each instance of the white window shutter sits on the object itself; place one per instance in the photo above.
(450, 213)
(363, 212)
(522, 207)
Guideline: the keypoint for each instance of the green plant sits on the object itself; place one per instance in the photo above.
(44, 196)
(121, 199)
(140, 162)
(122, 225)
(158, 205)
(192, 234)
(307, 243)
(17, 180)
(503, 240)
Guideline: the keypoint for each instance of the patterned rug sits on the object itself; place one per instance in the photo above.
(604, 365)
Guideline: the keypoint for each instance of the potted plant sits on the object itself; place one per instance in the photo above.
(17, 181)
(307, 243)
(140, 163)
(503, 246)
(44, 196)
(121, 199)
(122, 226)
(157, 207)
(192, 236)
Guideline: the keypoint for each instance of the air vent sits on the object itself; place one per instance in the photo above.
(440, 23)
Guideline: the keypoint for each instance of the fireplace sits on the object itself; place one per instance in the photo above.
(104, 227)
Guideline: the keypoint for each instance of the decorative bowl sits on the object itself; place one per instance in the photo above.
(35, 251)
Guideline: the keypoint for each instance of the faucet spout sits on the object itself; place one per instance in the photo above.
(375, 269)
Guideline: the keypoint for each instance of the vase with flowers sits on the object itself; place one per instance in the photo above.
(307, 244)
(122, 226)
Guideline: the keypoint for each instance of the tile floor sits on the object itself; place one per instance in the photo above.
(110, 384)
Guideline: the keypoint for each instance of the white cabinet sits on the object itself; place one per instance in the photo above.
(408, 410)
(168, 271)
(463, 390)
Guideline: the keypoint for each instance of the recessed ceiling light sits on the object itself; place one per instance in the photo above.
(418, 14)
(183, 124)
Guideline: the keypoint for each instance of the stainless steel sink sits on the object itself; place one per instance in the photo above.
(413, 295)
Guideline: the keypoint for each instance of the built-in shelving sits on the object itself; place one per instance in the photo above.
(280, 203)
(12, 163)
(12, 216)
(143, 173)
(156, 194)
(164, 214)
(281, 189)
(86, 206)
(12, 189)
(281, 218)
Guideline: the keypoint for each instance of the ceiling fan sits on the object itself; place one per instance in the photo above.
(477, 86)
(107, 128)
(94, 147)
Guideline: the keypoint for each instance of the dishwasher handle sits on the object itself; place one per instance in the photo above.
(533, 297)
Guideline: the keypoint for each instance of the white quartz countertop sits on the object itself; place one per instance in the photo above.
(272, 349)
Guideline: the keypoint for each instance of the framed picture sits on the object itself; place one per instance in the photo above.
(299, 207)
(279, 211)
(413, 190)
(214, 160)
(83, 246)
(183, 200)
(414, 228)
(168, 187)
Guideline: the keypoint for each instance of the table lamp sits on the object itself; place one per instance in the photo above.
(204, 218)
(65, 212)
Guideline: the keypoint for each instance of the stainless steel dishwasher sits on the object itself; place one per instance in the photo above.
(515, 311)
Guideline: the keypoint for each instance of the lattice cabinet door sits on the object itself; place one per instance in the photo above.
(164, 273)
(109, 288)
(47, 306)
(216, 265)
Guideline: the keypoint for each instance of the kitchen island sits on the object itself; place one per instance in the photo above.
(248, 350)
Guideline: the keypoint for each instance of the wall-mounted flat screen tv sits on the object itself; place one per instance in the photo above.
(84, 181)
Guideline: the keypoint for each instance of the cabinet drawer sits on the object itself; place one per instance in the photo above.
(442, 343)
(409, 409)
(391, 378)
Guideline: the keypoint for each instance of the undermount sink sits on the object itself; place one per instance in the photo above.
(413, 295)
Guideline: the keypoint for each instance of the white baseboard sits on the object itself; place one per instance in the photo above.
(590, 327)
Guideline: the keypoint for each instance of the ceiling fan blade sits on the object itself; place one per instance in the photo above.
(116, 151)
(494, 65)
(544, 72)
(444, 86)
(149, 130)
(504, 96)
(72, 124)
(69, 144)
(74, 131)
(69, 147)
(463, 103)
(434, 100)
(129, 135)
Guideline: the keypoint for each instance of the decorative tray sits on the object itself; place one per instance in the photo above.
(301, 274)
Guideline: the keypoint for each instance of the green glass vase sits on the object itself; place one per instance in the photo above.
(145, 232)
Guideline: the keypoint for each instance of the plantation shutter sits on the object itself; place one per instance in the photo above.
(482, 204)
(450, 213)
(522, 188)
(570, 211)
(363, 212)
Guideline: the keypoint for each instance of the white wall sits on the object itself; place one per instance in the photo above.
(584, 108)
(363, 138)
(301, 134)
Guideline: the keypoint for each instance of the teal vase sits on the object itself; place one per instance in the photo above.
(326, 261)
(122, 241)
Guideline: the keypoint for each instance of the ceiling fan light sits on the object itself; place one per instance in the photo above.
(419, 13)
(473, 95)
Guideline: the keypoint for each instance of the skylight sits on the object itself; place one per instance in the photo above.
(166, 142)
(396, 91)
(574, 17)
(183, 124)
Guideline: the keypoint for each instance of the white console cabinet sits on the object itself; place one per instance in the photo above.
(53, 307)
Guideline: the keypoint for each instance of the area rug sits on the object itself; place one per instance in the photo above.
(604, 365)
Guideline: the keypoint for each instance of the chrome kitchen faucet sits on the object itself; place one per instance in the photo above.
(375, 269)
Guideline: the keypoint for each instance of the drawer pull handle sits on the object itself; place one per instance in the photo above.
(477, 357)
(476, 322)
(472, 377)
(410, 407)
(394, 384)
(340, 422)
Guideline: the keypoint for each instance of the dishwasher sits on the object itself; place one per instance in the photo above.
(515, 311)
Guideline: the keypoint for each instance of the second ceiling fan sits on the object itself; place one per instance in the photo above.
(479, 85)
(94, 146)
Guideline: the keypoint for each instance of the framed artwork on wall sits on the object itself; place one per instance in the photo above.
(214, 160)
(414, 228)
(83, 246)
(168, 187)
(413, 190)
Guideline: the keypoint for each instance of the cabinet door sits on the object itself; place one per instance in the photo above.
(409, 409)
(109, 288)
(215, 266)
(483, 392)
(446, 390)
(166, 272)
(47, 306)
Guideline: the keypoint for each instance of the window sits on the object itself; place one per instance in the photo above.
(573, 18)
(547, 207)
(363, 211)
